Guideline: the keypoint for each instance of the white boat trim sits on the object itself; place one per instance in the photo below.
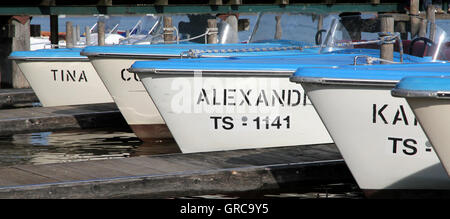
(130, 55)
(43, 58)
(420, 94)
(344, 81)
(219, 72)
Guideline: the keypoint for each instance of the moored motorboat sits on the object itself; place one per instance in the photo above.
(61, 77)
(64, 77)
(238, 102)
(378, 136)
(111, 63)
(428, 98)
(226, 73)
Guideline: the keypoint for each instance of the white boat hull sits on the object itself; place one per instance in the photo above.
(58, 83)
(131, 97)
(382, 144)
(226, 113)
(433, 116)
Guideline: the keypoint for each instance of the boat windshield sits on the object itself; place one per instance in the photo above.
(305, 28)
(363, 31)
(190, 28)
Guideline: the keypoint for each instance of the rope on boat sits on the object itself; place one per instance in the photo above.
(209, 31)
(195, 53)
(383, 38)
(370, 60)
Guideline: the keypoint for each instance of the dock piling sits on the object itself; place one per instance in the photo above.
(431, 17)
(278, 30)
(387, 49)
(212, 35)
(54, 38)
(168, 30)
(69, 34)
(88, 35)
(414, 18)
(101, 33)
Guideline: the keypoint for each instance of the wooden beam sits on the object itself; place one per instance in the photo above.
(105, 3)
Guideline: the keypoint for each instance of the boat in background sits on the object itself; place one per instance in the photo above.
(428, 98)
(116, 30)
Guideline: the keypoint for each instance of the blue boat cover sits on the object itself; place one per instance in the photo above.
(48, 53)
(177, 49)
(425, 83)
(264, 63)
(391, 72)
(159, 49)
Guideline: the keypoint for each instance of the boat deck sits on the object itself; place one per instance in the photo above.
(174, 175)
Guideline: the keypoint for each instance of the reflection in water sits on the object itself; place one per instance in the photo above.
(95, 144)
(79, 145)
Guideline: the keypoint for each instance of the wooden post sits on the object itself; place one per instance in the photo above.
(423, 28)
(69, 34)
(101, 33)
(431, 17)
(278, 30)
(78, 31)
(54, 38)
(74, 36)
(212, 37)
(414, 17)
(320, 23)
(387, 50)
(414, 7)
(88, 35)
(400, 27)
(168, 30)
(20, 42)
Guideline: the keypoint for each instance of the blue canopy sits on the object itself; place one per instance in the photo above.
(48, 53)
(423, 86)
(394, 72)
(260, 63)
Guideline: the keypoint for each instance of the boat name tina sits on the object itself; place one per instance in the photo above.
(251, 97)
(69, 75)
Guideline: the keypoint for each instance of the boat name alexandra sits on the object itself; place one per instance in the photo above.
(251, 97)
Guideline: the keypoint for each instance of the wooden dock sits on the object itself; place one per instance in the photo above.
(39, 119)
(12, 97)
(176, 175)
